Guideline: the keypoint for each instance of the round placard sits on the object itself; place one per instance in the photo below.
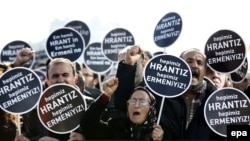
(10, 51)
(60, 108)
(168, 29)
(82, 28)
(66, 43)
(41, 74)
(95, 60)
(239, 75)
(167, 75)
(116, 40)
(20, 90)
(225, 51)
(226, 106)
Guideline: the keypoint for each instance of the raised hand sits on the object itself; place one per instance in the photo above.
(23, 56)
(74, 136)
(133, 54)
(110, 86)
(20, 137)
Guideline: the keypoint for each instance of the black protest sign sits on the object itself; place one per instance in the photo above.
(10, 51)
(167, 75)
(226, 106)
(60, 108)
(66, 43)
(168, 29)
(116, 40)
(158, 53)
(239, 75)
(225, 51)
(40, 74)
(95, 60)
(20, 89)
(82, 28)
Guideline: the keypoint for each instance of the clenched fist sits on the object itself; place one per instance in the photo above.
(110, 86)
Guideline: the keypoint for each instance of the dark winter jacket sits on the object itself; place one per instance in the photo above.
(174, 113)
(117, 128)
(33, 128)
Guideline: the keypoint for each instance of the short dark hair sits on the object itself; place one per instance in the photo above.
(60, 60)
(95, 75)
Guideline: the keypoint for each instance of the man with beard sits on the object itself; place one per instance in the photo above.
(191, 103)
(182, 117)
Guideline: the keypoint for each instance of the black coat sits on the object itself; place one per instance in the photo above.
(117, 128)
(95, 129)
(33, 128)
(174, 113)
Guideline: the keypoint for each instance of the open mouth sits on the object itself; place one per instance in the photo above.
(195, 73)
(136, 113)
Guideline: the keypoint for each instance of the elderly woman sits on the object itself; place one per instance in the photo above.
(137, 124)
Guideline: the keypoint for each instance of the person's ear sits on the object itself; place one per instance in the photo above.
(96, 81)
(144, 62)
(76, 78)
(47, 81)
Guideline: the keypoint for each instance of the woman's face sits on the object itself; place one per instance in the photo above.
(138, 106)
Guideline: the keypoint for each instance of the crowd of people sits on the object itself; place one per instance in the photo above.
(122, 107)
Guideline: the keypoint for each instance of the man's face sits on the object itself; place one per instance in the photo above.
(197, 64)
(219, 79)
(88, 77)
(60, 73)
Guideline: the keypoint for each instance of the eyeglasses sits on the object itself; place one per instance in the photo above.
(142, 102)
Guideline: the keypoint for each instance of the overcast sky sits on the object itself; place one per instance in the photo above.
(30, 20)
